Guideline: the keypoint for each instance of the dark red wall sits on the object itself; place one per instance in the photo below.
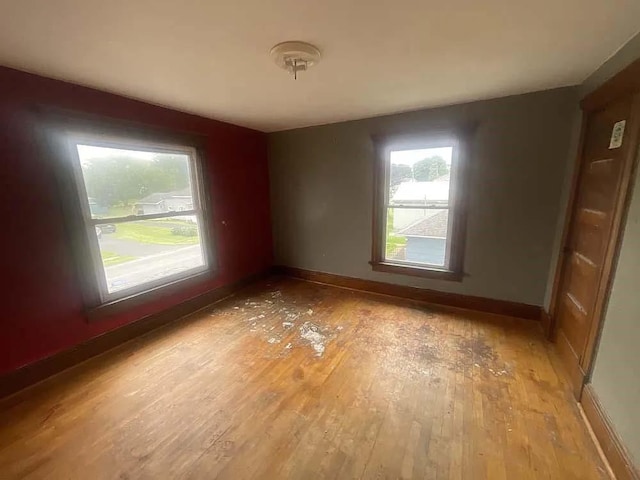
(41, 311)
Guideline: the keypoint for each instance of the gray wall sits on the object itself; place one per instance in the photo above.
(570, 162)
(321, 186)
(616, 374)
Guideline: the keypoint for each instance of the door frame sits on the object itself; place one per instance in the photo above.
(625, 83)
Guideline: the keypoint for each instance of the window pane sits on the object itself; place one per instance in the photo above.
(420, 177)
(123, 182)
(140, 252)
(416, 235)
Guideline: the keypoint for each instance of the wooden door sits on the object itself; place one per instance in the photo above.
(601, 192)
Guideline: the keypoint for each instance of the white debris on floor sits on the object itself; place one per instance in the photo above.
(312, 334)
(285, 323)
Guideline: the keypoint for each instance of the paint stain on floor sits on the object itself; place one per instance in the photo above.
(285, 322)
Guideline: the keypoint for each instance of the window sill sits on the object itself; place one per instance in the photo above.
(120, 305)
(416, 271)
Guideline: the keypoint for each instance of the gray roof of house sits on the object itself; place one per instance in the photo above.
(433, 226)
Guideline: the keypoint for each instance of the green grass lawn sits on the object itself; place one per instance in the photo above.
(111, 258)
(151, 232)
(394, 241)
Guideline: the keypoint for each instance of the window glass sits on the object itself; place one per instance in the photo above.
(121, 185)
(417, 217)
(121, 182)
(417, 236)
(145, 251)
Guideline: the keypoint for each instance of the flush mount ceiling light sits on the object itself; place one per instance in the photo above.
(295, 56)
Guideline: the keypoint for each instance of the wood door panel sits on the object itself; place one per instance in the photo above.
(597, 201)
(573, 322)
(583, 278)
(592, 218)
(601, 174)
(590, 242)
(602, 167)
(598, 184)
(584, 267)
(572, 362)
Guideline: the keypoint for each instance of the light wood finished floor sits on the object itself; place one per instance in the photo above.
(297, 380)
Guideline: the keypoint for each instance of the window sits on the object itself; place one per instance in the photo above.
(137, 212)
(419, 210)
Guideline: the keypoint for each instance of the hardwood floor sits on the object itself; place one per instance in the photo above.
(297, 380)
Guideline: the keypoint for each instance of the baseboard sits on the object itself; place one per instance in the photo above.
(33, 373)
(500, 307)
(614, 451)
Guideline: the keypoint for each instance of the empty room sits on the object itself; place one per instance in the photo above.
(336, 239)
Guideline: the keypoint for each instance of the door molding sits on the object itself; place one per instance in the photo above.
(624, 84)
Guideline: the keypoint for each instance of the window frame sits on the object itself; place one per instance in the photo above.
(61, 132)
(459, 139)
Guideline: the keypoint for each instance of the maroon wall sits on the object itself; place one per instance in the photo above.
(41, 308)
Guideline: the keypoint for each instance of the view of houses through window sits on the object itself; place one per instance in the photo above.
(137, 183)
(418, 206)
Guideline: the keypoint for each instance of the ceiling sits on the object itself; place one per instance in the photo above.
(379, 56)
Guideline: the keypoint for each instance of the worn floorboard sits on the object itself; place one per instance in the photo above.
(296, 380)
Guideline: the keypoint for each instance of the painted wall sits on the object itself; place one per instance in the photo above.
(569, 165)
(321, 193)
(616, 374)
(42, 310)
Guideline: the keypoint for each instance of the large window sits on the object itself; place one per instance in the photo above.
(419, 210)
(141, 213)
